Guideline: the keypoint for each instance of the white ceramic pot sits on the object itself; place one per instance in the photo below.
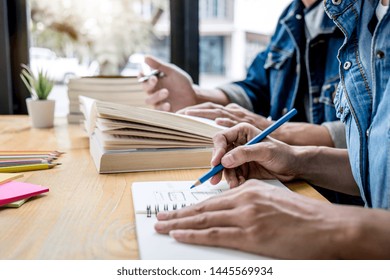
(41, 112)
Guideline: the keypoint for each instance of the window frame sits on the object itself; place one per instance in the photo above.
(184, 49)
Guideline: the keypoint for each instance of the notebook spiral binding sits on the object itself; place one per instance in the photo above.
(166, 207)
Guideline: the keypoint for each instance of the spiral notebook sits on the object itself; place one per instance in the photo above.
(150, 198)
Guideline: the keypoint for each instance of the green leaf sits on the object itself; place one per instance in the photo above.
(39, 87)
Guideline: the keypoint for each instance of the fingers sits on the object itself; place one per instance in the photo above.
(234, 177)
(164, 106)
(150, 85)
(240, 134)
(205, 105)
(157, 97)
(213, 111)
(226, 122)
(229, 237)
(216, 178)
(211, 114)
(200, 221)
(224, 201)
(220, 148)
(237, 135)
(241, 155)
(235, 106)
(208, 110)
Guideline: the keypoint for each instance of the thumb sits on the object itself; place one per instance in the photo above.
(239, 156)
(156, 63)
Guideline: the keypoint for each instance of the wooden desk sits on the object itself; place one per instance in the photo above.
(85, 215)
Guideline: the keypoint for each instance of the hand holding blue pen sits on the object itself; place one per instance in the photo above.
(214, 170)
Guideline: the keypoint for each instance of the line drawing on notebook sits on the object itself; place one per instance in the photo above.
(150, 198)
(181, 196)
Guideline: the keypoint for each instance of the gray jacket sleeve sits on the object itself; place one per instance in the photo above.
(337, 133)
(237, 94)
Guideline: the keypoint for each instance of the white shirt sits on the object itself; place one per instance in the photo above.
(381, 11)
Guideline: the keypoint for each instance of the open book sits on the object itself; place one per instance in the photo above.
(152, 197)
(125, 138)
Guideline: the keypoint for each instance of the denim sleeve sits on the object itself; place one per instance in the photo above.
(256, 85)
(337, 133)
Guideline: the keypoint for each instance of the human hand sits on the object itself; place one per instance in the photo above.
(227, 116)
(293, 133)
(171, 92)
(267, 159)
(259, 218)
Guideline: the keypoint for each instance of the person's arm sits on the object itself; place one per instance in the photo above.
(216, 96)
(304, 134)
(271, 221)
(326, 167)
(290, 133)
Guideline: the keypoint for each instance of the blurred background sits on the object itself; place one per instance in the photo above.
(214, 40)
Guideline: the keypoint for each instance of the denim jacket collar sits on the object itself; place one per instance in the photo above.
(327, 25)
(346, 9)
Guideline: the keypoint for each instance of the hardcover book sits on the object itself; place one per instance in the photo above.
(117, 89)
(125, 138)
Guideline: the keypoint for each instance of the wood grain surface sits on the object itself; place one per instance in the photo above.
(85, 215)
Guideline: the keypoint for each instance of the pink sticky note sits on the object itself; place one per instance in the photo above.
(14, 191)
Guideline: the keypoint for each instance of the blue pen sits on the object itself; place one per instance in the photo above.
(254, 140)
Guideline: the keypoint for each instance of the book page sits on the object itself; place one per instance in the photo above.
(116, 126)
(87, 108)
(156, 118)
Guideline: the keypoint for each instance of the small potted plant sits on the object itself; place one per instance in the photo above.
(40, 109)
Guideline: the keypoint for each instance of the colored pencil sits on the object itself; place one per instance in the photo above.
(30, 167)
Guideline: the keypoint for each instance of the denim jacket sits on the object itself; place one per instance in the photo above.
(363, 96)
(273, 77)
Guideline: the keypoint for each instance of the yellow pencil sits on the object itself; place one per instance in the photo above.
(30, 167)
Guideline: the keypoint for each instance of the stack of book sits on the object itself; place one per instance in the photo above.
(117, 89)
(125, 138)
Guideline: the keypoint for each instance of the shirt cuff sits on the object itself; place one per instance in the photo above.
(237, 94)
(337, 133)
